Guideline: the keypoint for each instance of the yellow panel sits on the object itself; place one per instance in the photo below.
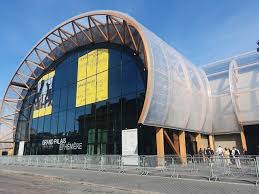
(80, 93)
(51, 74)
(48, 76)
(102, 86)
(81, 71)
(91, 90)
(41, 112)
(91, 65)
(48, 110)
(35, 114)
(103, 60)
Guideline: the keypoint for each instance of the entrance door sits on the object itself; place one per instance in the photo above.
(252, 136)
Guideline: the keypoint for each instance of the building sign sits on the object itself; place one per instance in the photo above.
(130, 146)
(43, 99)
(63, 144)
(92, 77)
(21, 148)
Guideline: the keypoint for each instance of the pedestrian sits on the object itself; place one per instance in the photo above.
(200, 155)
(208, 153)
(211, 154)
(227, 156)
(220, 152)
(236, 154)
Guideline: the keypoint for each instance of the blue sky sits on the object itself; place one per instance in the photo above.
(202, 30)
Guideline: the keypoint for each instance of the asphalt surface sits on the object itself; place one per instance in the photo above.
(24, 179)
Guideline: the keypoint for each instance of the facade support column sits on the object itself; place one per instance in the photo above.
(176, 141)
(198, 140)
(160, 150)
(243, 139)
(211, 142)
(182, 144)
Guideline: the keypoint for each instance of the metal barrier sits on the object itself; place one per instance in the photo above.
(243, 168)
(111, 162)
(133, 164)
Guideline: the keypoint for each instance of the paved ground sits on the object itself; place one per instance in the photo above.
(22, 179)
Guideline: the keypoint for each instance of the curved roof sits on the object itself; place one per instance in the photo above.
(235, 87)
(177, 91)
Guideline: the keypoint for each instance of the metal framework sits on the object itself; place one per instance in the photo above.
(89, 28)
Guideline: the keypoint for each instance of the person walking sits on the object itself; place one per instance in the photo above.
(208, 154)
(227, 156)
(200, 155)
(236, 154)
(220, 152)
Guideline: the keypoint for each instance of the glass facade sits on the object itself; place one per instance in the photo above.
(93, 128)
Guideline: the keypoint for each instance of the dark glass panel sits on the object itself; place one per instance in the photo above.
(71, 101)
(56, 101)
(101, 115)
(115, 83)
(74, 57)
(114, 114)
(63, 99)
(47, 123)
(73, 72)
(40, 125)
(54, 123)
(79, 120)
(129, 112)
(88, 133)
(141, 78)
(34, 126)
(62, 123)
(129, 76)
(70, 125)
(114, 58)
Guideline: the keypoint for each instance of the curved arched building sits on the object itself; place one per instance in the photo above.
(101, 83)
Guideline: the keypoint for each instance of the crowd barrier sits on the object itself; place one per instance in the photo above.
(242, 168)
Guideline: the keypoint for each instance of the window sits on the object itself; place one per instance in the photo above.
(56, 101)
(114, 82)
(63, 99)
(129, 76)
(97, 125)
(40, 125)
(70, 124)
(54, 123)
(47, 122)
(71, 98)
(129, 112)
(62, 123)
(79, 120)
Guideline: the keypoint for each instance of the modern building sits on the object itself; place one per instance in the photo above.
(101, 83)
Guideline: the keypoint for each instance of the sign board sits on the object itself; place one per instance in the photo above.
(21, 148)
(92, 77)
(43, 98)
(130, 146)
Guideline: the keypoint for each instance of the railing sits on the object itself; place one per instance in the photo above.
(243, 168)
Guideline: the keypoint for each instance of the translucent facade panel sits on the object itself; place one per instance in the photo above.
(246, 93)
(178, 96)
(223, 113)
